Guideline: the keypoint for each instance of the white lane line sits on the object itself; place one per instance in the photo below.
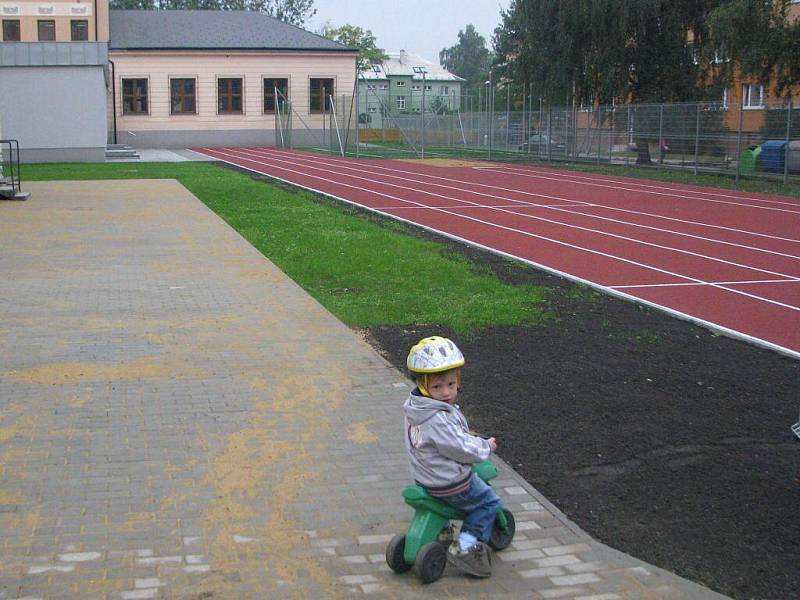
(682, 284)
(213, 153)
(488, 223)
(346, 164)
(531, 205)
(515, 213)
(594, 181)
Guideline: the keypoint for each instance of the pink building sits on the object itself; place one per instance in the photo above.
(158, 79)
(189, 78)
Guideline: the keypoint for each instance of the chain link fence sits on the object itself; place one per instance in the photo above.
(700, 136)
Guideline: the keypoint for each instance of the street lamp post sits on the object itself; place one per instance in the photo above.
(490, 106)
(422, 71)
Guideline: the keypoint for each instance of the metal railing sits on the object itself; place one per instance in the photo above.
(10, 165)
(698, 136)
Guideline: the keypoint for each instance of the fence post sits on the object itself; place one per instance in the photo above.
(739, 139)
(627, 133)
(423, 114)
(697, 140)
(358, 114)
(788, 140)
(660, 135)
(508, 112)
(599, 132)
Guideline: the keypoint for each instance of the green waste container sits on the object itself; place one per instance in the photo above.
(749, 158)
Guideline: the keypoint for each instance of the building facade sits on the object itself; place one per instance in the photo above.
(77, 76)
(199, 78)
(402, 85)
(53, 59)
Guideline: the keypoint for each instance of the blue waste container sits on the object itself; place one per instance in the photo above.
(772, 157)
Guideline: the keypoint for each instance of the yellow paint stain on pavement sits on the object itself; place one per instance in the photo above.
(10, 497)
(136, 521)
(72, 372)
(361, 435)
(260, 469)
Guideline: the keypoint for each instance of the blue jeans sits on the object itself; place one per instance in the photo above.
(480, 502)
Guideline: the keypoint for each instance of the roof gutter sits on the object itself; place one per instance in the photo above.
(223, 49)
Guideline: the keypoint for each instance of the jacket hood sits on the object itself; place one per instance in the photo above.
(420, 408)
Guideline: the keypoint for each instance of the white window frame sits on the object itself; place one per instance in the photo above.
(748, 101)
(401, 84)
(401, 102)
(383, 86)
(415, 88)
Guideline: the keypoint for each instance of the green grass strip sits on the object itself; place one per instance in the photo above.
(367, 273)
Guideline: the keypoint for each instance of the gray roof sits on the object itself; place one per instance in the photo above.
(211, 30)
(403, 64)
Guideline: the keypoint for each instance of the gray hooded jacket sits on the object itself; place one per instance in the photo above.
(439, 445)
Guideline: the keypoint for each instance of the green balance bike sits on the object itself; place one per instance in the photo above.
(423, 546)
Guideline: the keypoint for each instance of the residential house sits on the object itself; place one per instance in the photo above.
(401, 84)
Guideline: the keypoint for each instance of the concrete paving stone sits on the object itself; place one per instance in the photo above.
(177, 443)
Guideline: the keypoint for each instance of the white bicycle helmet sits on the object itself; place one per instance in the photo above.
(434, 355)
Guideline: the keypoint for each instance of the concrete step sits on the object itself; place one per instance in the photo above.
(120, 151)
(7, 192)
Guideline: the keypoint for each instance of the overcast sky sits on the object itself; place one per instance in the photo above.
(421, 27)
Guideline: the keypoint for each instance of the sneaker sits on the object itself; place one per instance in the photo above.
(476, 561)
(447, 535)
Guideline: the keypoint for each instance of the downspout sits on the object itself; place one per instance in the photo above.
(96, 33)
(114, 97)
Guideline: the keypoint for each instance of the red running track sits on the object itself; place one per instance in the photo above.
(725, 259)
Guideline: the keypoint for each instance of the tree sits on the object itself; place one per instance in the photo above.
(597, 51)
(756, 39)
(355, 37)
(294, 12)
(469, 58)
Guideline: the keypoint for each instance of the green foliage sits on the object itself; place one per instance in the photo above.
(294, 12)
(757, 38)
(356, 37)
(590, 51)
(469, 58)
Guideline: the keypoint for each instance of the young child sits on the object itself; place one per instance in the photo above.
(441, 450)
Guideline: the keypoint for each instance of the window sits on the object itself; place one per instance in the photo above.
(47, 31)
(428, 88)
(229, 96)
(753, 96)
(401, 84)
(445, 90)
(401, 102)
(415, 88)
(383, 86)
(134, 96)
(182, 100)
(372, 109)
(270, 85)
(370, 86)
(10, 30)
(79, 31)
(320, 92)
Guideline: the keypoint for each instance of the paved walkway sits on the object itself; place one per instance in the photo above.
(180, 420)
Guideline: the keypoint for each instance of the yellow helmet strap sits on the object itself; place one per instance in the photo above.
(423, 386)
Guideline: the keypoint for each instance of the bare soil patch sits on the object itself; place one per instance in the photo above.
(657, 437)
